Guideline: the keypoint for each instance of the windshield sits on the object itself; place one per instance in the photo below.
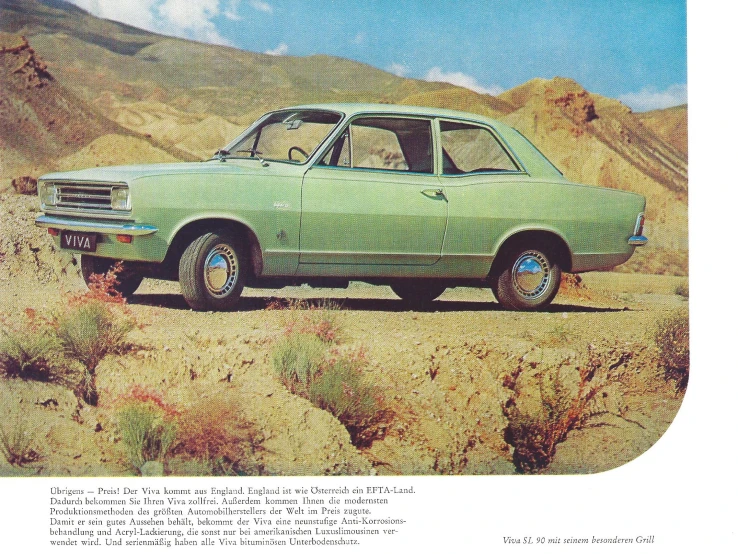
(286, 136)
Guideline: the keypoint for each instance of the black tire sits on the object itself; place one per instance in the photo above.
(128, 280)
(529, 279)
(212, 272)
(418, 294)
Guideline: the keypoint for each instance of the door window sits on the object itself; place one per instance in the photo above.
(384, 143)
(472, 149)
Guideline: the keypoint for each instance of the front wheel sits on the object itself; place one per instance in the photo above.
(212, 272)
(417, 294)
(529, 280)
(128, 280)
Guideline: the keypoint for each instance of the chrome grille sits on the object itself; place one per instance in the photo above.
(83, 197)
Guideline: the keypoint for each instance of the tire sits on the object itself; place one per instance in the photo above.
(418, 294)
(212, 272)
(128, 280)
(529, 280)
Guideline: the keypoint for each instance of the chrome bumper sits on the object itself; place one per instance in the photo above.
(637, 240)
(95, 227)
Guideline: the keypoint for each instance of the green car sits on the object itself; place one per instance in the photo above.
(419, 199)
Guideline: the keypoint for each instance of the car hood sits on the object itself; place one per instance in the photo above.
(129, 173)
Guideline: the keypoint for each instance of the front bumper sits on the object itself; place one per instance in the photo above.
(102, 227)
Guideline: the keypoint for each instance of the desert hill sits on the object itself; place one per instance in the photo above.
(42, 122)
(92, 56)
(669, 124)
(39, 119)
(135, 96)
(599, 141)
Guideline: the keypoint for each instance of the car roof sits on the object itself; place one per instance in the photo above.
(350, 109)
(533, 160)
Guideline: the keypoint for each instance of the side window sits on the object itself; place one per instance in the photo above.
(376, 148)
(388, 143)
(468, 149)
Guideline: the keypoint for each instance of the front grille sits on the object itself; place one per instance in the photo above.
(83, 197)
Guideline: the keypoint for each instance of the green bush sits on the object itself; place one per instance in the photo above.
(91, 330)
(146, 434)
(672, 341)
(16, 440)
(27, 352)
(341, 390)
(88, 331)
(297, 358)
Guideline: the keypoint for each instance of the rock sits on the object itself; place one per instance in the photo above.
(24, 185)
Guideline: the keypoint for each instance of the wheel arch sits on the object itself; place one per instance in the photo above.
(541, 238)
(191, 230)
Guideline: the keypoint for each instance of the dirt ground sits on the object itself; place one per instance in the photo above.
(441, 372)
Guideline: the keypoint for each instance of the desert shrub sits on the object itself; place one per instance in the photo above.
(564, 399)
(672, 341)
(147, 427)
(296, 359)
(310, 317)
(16, 441)
(216, 439)
(27, 349)
(682, 289)
(88, 331)
(340, 389)
(335, 385)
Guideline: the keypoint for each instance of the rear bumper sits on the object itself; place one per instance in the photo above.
(637, 240)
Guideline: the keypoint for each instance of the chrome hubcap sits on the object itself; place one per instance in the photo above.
(531, 274)
(221, 270)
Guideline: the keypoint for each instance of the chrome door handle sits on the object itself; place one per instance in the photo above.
(434, 192)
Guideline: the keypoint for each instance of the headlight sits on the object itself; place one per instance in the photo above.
(47, 193)
(120, 199)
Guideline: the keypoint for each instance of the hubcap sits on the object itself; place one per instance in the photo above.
(221, 270)
(531, 274)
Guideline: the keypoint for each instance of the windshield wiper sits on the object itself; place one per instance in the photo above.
(255, 154)
(221, 154)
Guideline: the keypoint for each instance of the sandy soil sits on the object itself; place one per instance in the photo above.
(441, 371)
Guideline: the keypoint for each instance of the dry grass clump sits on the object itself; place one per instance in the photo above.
(297, 358)
(682, 289)
(93, 325)
(563, 398)
(214, 438)
(147, 425)
(16, 441)
(672, 341)
(90, 331)
(341, 389)
(310, 317)
(300, 360)
(88, 328)
(28, 348)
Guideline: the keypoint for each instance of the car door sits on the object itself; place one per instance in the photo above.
(488, 192)
(374, 198)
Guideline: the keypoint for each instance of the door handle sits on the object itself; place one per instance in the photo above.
(434, 193)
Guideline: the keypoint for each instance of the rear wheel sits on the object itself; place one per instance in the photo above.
(418, 294)
(212, 272)
(128, 280)
(529, 280)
